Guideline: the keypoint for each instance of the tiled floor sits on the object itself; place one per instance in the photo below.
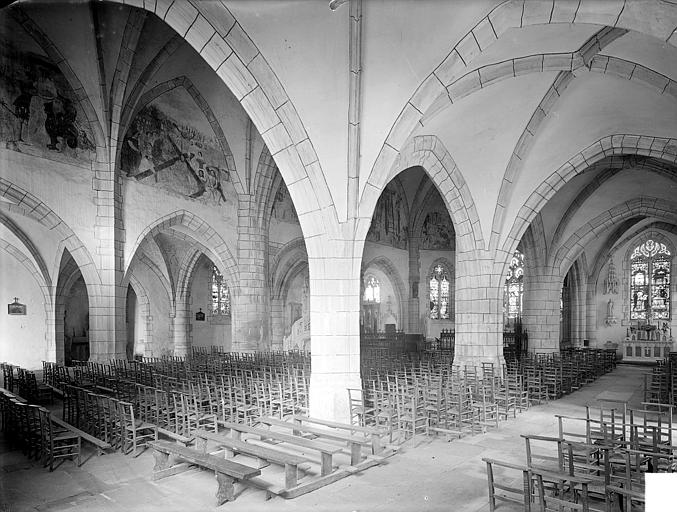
(426, 475)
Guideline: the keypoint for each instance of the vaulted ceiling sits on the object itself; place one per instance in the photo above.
(517, 93)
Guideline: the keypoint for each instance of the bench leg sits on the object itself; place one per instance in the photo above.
(326, 464)
(201, 445)
(376, 446)
(355, 453)
(161, 461)
(226, 490)
(290, 475)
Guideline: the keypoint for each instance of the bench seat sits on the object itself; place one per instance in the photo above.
(354, 442)
(100, 445)
(290, 461)
(326, 451)
(227, 471)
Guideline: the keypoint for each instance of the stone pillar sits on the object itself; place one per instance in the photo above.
(415, 285)
(591, 315)
(251, 311)
(335, 330)
(541, 309)
(107, 330)
(479, 310)
(277, 324)
(181, 329)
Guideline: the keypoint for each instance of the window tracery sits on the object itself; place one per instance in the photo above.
(650, 281)
(220, 294)
(514, 287)
(439, 293)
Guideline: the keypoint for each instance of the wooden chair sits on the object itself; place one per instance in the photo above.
(135, 432)
(505, 490)
(570, 492)
(358, 408)
(57, 443)
(628, 487)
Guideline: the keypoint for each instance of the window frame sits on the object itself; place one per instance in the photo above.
(220, 281)
(515, 275)
(443, 273)
(367, 284)
(657, 251)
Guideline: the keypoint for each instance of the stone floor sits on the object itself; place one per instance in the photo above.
(426, 475)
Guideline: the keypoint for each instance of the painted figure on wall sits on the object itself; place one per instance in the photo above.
(389, 223)
(283, 207)
(437, 231)
(178, 157)
(39, 112)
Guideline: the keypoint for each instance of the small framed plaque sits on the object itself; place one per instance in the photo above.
(200, 316)
(16, 308)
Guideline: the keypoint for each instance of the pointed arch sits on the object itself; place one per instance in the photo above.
(26, 204)
(430, 153)
(616, 147)
(200, 231)
(386, 266)
(213, 32)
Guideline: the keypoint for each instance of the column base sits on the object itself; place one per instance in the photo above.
(476, 360)
(329, 395)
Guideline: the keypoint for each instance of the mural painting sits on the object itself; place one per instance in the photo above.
(39, 112)
(437, 231)
(177, 156)
(389, 223)
(283, 207)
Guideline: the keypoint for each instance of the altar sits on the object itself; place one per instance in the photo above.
(646, 343)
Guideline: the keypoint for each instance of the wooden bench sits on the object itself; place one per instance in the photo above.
(355, 443)
(290, 461)
(185, 441)
(227, 471)
(374, 434)
(100, 445)
(13, 395)
(326, 451)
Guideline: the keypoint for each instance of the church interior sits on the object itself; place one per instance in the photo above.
(371, 228)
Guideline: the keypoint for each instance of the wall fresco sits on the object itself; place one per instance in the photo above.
(437, 231)
(39, 112)
(283, 207)
(389, 223)
(170, 145)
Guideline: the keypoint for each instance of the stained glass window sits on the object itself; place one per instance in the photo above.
(514, 287)
(650, 282)
(372, 290)
(220, 294)
(439, 294)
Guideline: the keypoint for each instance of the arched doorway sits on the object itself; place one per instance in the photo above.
(72, 313)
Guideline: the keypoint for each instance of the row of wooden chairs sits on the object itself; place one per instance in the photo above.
(107, 418)
(180, 404)
(417, 394)
(660, 385)
(24, 382)
(30, 427)
(596, 462)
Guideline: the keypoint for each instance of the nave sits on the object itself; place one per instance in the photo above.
(449, 469)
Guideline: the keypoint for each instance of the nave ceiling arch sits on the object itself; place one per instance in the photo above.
(491, 109)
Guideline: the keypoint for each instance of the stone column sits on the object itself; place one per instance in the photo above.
(181, 329)
(541, 309)
(251, 307)
(415, 285)
(107, 330)
(334, 329)
(277, 323)
(479, 310)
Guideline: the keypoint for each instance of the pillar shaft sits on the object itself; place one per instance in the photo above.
(251, 309)
(479, 311)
